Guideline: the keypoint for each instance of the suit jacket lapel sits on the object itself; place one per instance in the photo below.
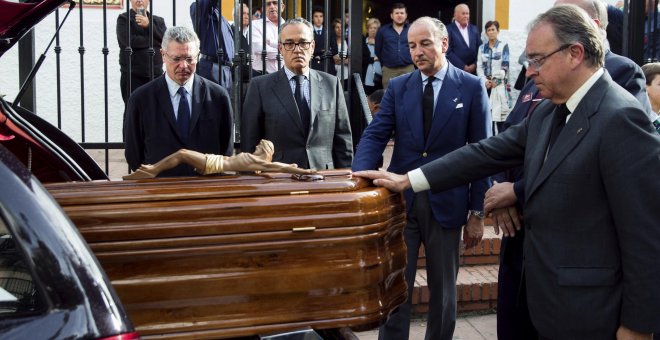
(282, 91)
(571, 135)
(316, 88)
(448, 98)
(164, 100)
(472, 35)
(198, 95)
(413, 110)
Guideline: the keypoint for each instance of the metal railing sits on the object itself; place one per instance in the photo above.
(241, 60)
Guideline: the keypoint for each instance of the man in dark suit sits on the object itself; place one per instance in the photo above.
(302, 111)
(432, 111)
(320, 58)
(512, 315)
(464, 40)
(177, 110)
(590, 159)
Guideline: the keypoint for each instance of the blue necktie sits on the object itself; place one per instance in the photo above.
(560, 114)
(303, 107)
(183, 114)
(656, 124)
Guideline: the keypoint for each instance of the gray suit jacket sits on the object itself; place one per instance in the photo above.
(591, 219)
(270, 112)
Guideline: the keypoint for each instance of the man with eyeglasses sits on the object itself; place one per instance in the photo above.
(266, 41)
(301, 110)
(591, 157)
(502, 198)
(177, 110)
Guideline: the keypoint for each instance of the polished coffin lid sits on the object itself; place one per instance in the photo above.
(227, 256)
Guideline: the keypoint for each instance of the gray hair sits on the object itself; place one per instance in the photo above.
(300, 21)
(438, 29)
(180, 34)
(572, 25)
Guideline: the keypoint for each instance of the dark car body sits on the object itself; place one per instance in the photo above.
(51, 285)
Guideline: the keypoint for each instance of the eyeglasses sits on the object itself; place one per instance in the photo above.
(188, 60)
(290, 46)
(537, 62)
(269, 3)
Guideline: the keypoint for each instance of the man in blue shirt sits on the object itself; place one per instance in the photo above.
(392, 45)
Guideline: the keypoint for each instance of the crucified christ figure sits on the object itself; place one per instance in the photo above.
(205, 164)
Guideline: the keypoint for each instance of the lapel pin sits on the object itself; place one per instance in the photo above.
(579, 130)
(455, 99)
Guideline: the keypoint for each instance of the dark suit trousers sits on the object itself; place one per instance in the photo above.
(441, 247)
(513, 321)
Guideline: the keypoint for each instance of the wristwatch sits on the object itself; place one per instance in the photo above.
(478, 213)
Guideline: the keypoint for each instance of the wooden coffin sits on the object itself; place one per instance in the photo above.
(229, 256)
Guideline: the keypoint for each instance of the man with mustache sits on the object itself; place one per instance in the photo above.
(432, 111)
(590, 158)
(301, 110)
(177, 110)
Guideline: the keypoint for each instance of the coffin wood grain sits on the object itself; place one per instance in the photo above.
(218, 257)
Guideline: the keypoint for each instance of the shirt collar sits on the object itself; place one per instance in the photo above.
(290, 74)
(577, 96)
(173, 87)
(440, 74)
(461, 26)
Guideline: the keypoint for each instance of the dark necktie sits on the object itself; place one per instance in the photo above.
(183, 114)
(428, 106)
(560, 114)
(303, 107)
(656, 124)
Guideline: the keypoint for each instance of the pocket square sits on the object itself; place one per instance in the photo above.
(459, 105)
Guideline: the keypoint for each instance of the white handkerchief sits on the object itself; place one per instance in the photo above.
(459, 105)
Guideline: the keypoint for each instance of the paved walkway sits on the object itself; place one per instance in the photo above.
(471, 327)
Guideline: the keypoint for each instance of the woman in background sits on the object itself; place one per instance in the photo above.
(493, 67)
(341, 59)
(373, 75)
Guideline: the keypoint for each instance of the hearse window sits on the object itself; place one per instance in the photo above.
(18, 294)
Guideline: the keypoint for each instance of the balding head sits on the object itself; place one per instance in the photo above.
(462, 14)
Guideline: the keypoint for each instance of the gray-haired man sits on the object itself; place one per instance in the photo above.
(177, 110)
(302, 111)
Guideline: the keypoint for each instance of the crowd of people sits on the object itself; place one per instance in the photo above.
(577, 155)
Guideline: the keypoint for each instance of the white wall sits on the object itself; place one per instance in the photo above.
(521, 12)
(70, 72)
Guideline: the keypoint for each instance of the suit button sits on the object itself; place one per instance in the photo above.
(424, 154)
